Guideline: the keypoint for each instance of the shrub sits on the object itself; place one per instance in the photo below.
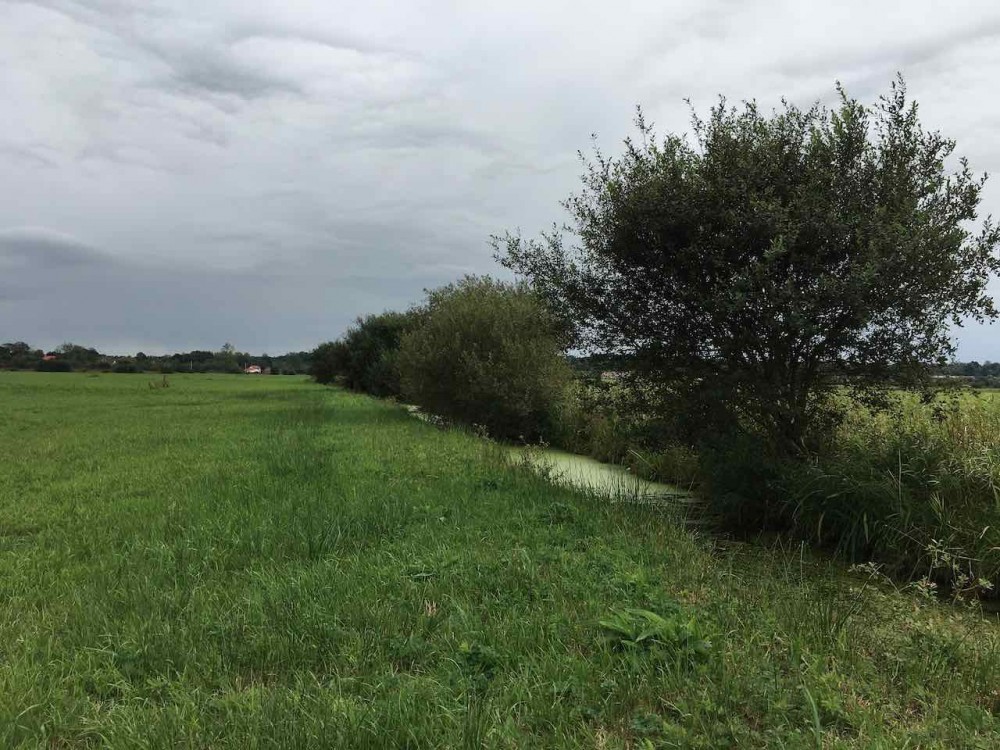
(773, 259)
(53, 365)
(606, 420)
(328, 361)
(365, 357)
(916, 490)
(369, 352)
(487, 354)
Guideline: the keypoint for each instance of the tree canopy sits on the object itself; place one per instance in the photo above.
(773, 255)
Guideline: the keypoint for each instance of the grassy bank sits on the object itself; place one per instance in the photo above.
(914, 486)
(241, 562)
(917, 488)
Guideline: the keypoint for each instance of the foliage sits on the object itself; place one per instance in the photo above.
(776, 257)
(80, 357)
(674, 632)
(20, 356)
(610, 421)
(974, 374)
(328, 361)
(913, 485)
(53, 365)
(227, 359)
(917, 489)
(241, 562)
(487, 354)
(973, 369)
(364, 359)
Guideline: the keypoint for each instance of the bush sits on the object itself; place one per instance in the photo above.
(773, 260)
(918, 490)
(364, 359)
(328, 361)
(915, 490)
(487, 354)
(53, 365)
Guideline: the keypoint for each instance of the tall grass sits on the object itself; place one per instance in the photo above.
(917, 489)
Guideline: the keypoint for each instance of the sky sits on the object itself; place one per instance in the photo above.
(177, 175)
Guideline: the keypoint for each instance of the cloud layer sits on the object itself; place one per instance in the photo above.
(179, 174)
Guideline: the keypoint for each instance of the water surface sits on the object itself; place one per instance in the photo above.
(589, 474)
(581, 472)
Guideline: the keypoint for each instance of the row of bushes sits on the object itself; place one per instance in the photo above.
(365, 358)
(479, 352)
(915, 487)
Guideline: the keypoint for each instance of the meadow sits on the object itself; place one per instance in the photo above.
(244, 562)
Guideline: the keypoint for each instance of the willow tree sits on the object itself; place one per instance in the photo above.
(772, 257)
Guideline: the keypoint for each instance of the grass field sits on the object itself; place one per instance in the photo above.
(237, 562)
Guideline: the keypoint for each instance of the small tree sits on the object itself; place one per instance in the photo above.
(365, 357)
(488, 354)
(328, 361)
(774, 258)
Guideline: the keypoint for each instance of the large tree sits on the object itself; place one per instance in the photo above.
(773, 256)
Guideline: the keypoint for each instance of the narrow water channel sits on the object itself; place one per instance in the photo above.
(586, 473)
(610, 480)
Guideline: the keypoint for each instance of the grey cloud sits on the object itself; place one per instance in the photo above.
(903, 54)
(31, 256)
(192, 66)
(206, 62)
(333, 41)
(41, 248)
(122, 155)
(402, 136)
(196, 72)
(265, 171)
(34, 155)
(69, 292)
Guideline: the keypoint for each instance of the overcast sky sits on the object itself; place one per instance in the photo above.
(177, 174)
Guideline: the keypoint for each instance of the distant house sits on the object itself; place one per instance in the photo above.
(49, 358)
(253, 370)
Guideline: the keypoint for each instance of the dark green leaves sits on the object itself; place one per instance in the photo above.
(774, 257)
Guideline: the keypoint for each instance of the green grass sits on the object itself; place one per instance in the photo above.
(259, 562)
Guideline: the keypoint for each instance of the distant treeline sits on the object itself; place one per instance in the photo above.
(974, 374)
(72, 357)
(985, 375)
